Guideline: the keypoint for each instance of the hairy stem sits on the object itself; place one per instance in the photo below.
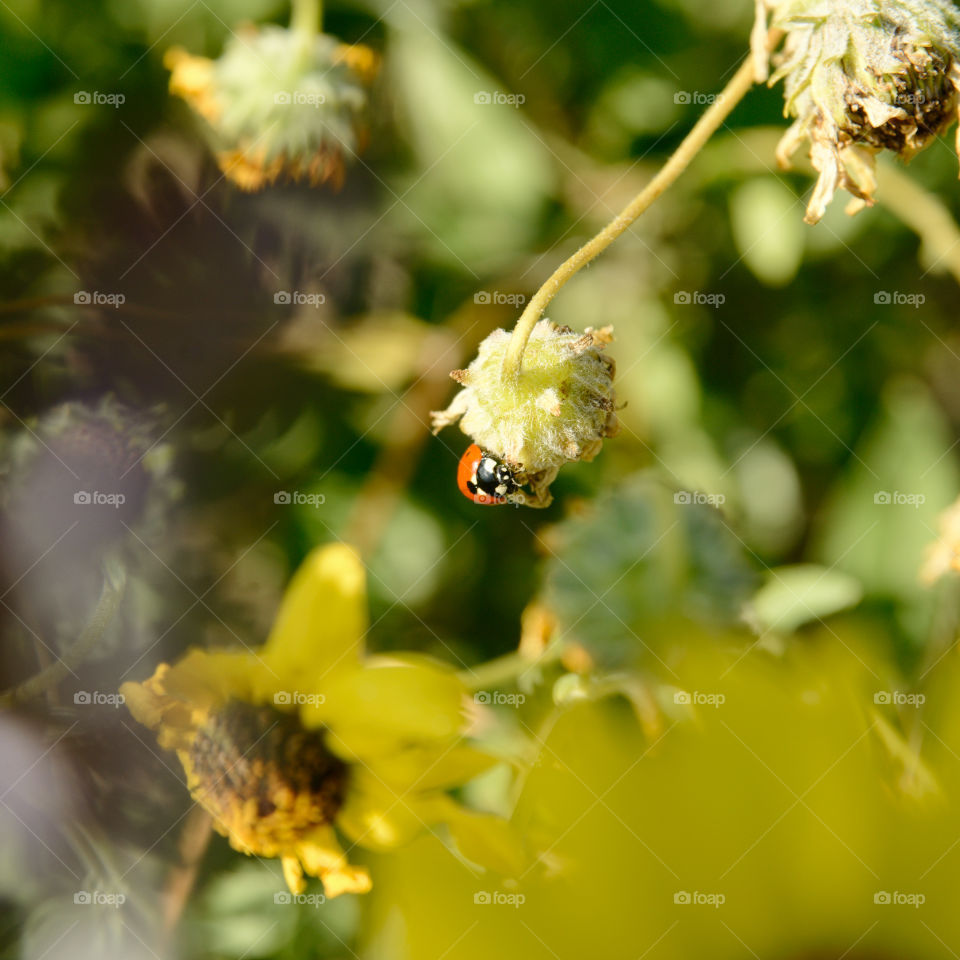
(307, 18)
(704, 128)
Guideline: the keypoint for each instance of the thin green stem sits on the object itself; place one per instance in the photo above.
(506, 670)
(705, 127)
(306, 18)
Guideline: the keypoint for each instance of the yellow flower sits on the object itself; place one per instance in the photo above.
(307, 734)
(277, 105)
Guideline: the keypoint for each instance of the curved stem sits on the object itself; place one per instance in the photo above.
(508, 669)
(704, 128)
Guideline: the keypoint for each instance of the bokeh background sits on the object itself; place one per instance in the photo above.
(792, 375)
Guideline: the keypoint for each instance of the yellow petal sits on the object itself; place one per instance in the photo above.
(322, 619)
(323, 857)
(433, 767)
(390, 704)
(177, 699)
(376, 816)
(293, 874)
(485, 839)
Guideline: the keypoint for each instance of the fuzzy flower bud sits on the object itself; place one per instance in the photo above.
(558, 410)
(277, 104)
(860, 76)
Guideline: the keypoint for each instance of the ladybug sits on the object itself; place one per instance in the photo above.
(482, 478)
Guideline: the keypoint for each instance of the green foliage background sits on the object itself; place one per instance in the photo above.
(797, 399)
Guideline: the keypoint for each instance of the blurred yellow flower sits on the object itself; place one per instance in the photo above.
(285, 743)
(279, 104)
(784, 810)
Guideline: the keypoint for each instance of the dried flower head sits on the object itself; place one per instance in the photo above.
(557, 410)
(860, 76)
(278, 104)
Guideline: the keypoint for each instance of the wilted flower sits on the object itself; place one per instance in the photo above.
(860, 76)
(558, 409)
(285, 743)
(278, 104)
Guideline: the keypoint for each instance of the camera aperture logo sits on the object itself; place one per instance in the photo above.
(296, 498)
(684, 497)
(500, 299)
(297, 298)
(685, 298)
(299, 98)
(896, 898)
(97, 99)
(96, 498)
(698, 899)
(697, 97)
(899, 698)
(499, 899)
(284, 898)
(96, 298)
(94, 698)
(498, 698)
(898, 499)
(896, 297)
(498, 98)
(294, 698)
(699, 698)
(97, 898)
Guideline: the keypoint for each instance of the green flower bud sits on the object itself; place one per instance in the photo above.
(860, 76)
(558, 410)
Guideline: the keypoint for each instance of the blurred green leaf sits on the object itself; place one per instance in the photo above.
(638, 562)
(795, 595)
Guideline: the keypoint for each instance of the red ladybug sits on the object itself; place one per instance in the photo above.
(483, 478)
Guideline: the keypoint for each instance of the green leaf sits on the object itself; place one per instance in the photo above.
(638, 564)
(799, 594)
